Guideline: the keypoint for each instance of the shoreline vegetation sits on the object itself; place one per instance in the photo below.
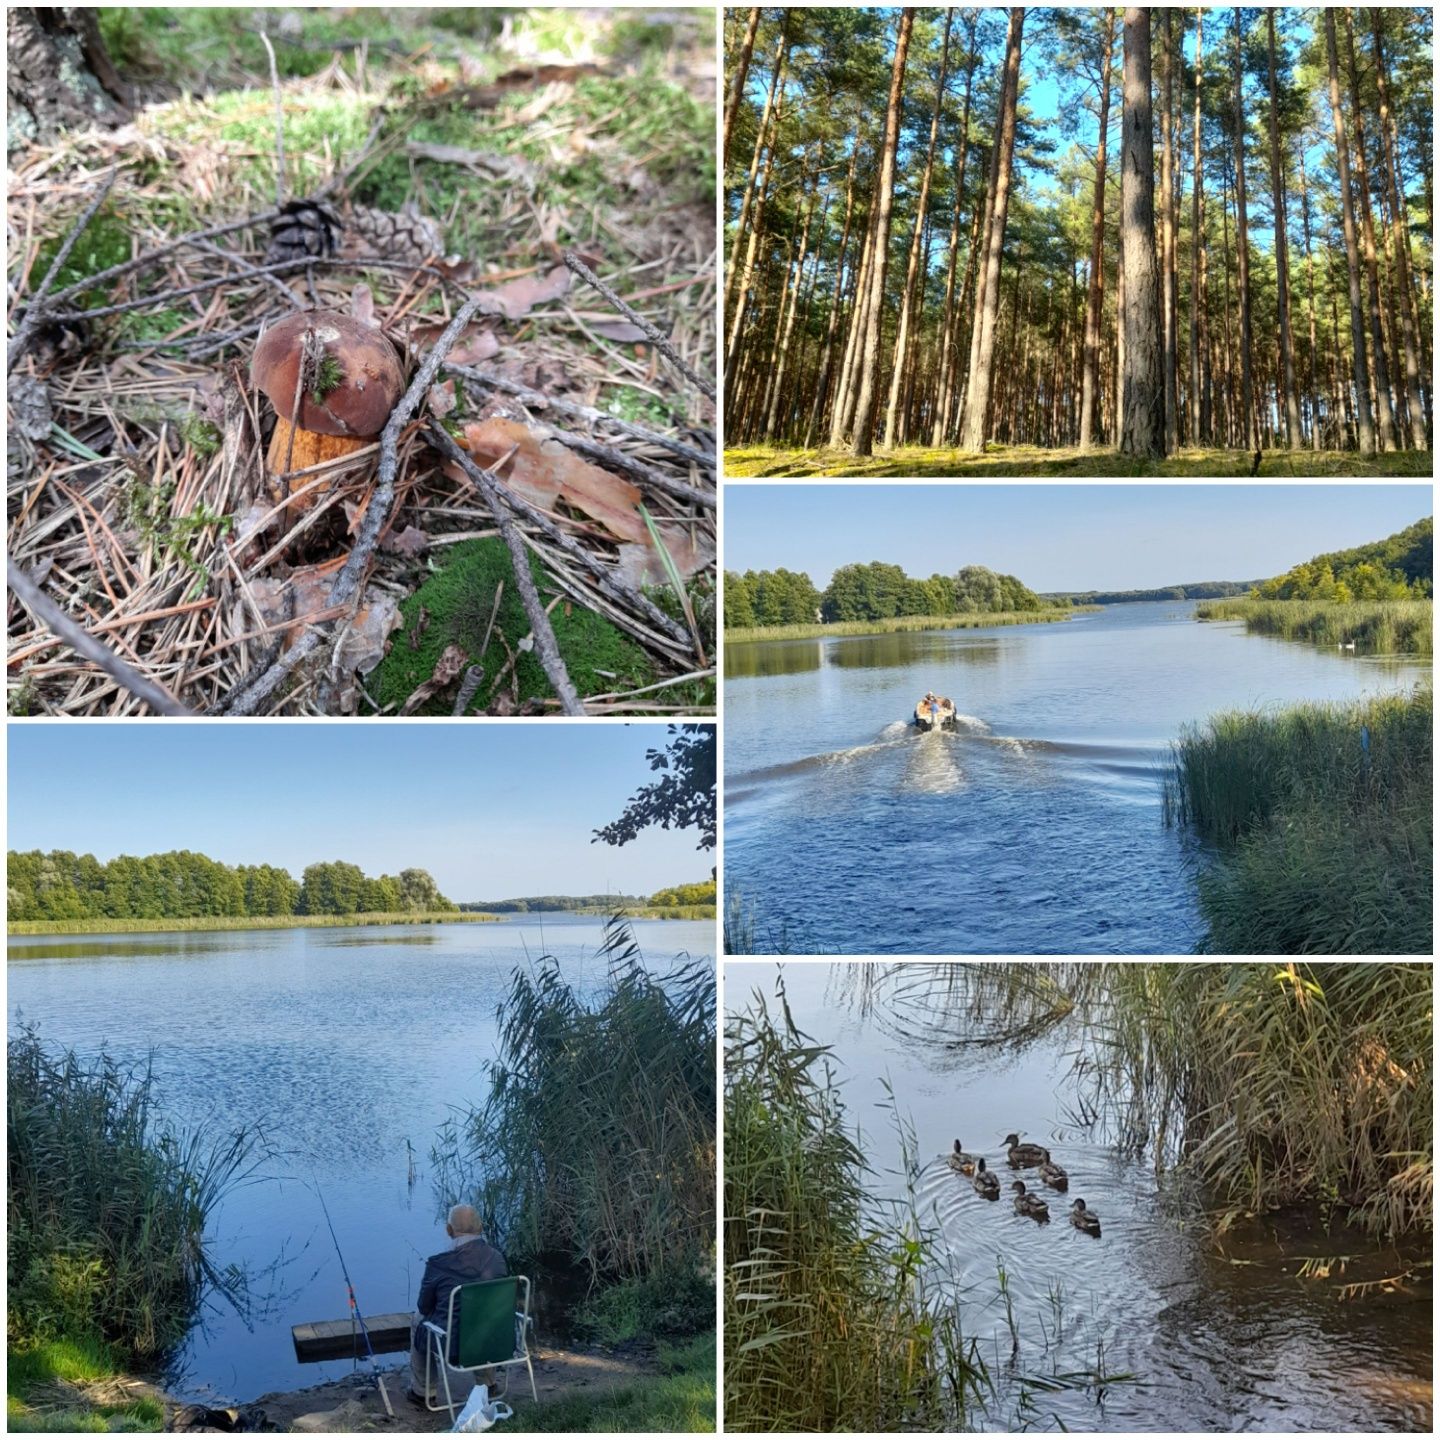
(741, 635)
(204, 923)
(1377, 627)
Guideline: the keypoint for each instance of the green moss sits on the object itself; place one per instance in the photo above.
(151, 324)
(637, 406)
(455, 605)
(105, 242)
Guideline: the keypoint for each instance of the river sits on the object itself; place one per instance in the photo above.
(1036, 828)
(342, 1045)
(1218, 1336)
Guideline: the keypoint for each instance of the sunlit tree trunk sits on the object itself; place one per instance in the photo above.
(822, 383)
(1282, 253)
(1310, 382)
(1167, 243)
(1197, 241)
(1095, 298)
(1251, 438)
(737, 83)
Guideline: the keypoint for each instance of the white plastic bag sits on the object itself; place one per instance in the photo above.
(480, 1413)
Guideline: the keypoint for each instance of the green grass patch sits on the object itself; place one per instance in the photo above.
(45, 1390)
(901, 623)
(243, 922)
(765, 460)
(679, 1399)
(454, 606)
(1377, 627)
(648, 1307)
(1320, 818)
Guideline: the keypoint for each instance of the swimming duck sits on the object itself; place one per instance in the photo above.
(1027, 1204)
(986, 1182)
(1053, 1175)
(1022, 1156)
(962, 1162)
(1083, 1219)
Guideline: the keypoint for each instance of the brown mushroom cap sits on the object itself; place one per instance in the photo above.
(372, 380)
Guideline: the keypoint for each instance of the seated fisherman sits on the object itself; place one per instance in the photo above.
(468, 1259)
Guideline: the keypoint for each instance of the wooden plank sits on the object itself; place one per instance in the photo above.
(342, 1340)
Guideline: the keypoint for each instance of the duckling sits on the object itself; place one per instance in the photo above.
(1027, 1204)
(1083, 1219)
(986, 1182)
(962, 1162)
(1023, 1156)
(1053, 1175)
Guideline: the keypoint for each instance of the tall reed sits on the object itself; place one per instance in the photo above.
(1322, 820)
(596, 1141)
(827, 1322)
(1380, 627)
(107, 1205)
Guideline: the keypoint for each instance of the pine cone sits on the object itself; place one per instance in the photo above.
(302, 229)
(407, 236)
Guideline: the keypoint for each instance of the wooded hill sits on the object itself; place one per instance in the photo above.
(181, 885)
(931, 239)
(701, 892)
(1400, 567)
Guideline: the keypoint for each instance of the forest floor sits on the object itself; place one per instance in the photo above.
(762, 461)
(139, 502)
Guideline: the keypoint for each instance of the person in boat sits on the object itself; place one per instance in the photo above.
(932, 704)
(469, 1258)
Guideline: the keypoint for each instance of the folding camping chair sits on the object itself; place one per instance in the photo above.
(487, 1327)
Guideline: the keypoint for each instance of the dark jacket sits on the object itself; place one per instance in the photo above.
(461, 1265)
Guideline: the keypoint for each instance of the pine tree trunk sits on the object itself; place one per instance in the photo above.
(1365, 432)
(772, 419)
(902, 334)
(1251, 439)
(737, 84)
(977, 401)
(1282, 254)
(884, 200)
(748, 199)
(822, 384)
(1167, 245)
(1197, 228)
(1310, 389)
(60, 76)
(1142, 406)
(1095, 298)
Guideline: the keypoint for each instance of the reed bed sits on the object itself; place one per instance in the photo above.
(144, 454)
(243, 922)
(1321, 822)
(596, 1142)
(107, 1206)
(828, 1325)
(1377, 627)
(904, 623)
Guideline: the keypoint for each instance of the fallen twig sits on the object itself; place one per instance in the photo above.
(660, 341)
(279, 123)
(546, 650)
(83, 643)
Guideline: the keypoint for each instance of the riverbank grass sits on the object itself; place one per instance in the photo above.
(898, 624)
(244, 922)
(56, 1386)
(1320, 818)
(764, 461)
(680, 1398)
(1376, 627)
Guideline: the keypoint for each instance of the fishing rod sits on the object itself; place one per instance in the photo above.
(354, 1308)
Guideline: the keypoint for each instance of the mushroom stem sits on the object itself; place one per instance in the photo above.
(292, 449)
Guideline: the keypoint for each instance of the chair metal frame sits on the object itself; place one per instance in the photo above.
(437, 1344)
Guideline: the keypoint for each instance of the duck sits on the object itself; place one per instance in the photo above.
(1053, 1175)
(1083, 1219)
(1022, 1156)
(962, 1162)
(986, 1182)
(1027, 1204)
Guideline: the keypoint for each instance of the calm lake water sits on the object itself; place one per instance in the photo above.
(1219, 1335)
(343, 1045)
(1037, 828)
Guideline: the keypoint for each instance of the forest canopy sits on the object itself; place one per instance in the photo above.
(181, 885)
(1400, 567)
(931, 241)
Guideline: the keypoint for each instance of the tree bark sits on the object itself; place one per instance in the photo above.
(1386, 410)
(1095, 297)
(60, 76)
(1142, 409)
(885, 200)
(822, 384)
(737, 84)
(1167, 245)
(1242, 257)
(748, 199)
(902, 334)
(1197, 240)
(1310, 388)
(1282, 253)
(978, 394)
(1364, 427)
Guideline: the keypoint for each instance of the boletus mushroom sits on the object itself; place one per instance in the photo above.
(333, 381)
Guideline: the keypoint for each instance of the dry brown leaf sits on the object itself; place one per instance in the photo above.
(303, 598)
(409, 541)
(448, 668)
(621, 330)
(519, 297)
(441, 399)
(642, 565)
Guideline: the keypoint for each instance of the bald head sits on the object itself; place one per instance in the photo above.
(463, 1220)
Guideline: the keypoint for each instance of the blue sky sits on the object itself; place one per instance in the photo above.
(1061, 537)
(492, 811)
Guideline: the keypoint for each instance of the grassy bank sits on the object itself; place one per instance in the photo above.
(767, 461)
(241, 922)
(1320, 817)
(1378, 627)
(827, 1324)
(106, 1213)
(899, 623)
(680, 1399)
(657, 912)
